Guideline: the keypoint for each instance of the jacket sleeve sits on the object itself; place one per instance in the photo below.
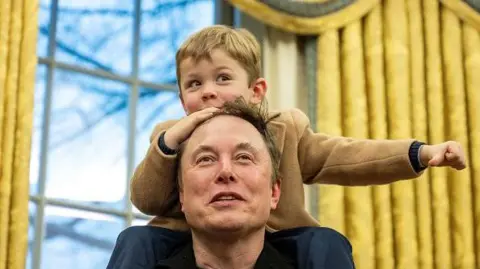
(154, 181)
(347, 161)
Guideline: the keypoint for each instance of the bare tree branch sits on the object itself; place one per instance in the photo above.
(71, 51)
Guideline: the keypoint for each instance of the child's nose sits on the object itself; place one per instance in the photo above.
(209, 93)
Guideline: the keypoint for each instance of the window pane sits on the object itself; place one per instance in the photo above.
(32, 215)
(153, 107)
(96, 34)
(39, 99)
(165, 25)
(44, 27)
(78, 239)
(87, 140)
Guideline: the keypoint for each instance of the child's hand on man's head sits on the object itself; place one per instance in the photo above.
(449, 153)
(184, 127)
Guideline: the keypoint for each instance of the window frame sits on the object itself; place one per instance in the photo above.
(224, 13)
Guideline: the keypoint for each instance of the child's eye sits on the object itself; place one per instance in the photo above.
(193, 84)
(223, 78)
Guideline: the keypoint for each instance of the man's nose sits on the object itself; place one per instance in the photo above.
(209, 92)
(225, 175)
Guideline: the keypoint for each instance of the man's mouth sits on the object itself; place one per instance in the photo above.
(226, 196)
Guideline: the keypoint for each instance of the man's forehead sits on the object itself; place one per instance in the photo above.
(237, 131)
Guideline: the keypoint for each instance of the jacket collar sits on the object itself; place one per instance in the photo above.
(278, 130)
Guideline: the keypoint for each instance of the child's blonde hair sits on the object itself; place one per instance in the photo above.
(239, 44)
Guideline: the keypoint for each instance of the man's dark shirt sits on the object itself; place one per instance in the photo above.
(269, 258)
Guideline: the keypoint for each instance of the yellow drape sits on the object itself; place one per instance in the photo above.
(407, 69)
(305, 24)
(18, 36)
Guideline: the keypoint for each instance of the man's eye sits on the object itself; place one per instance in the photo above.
(244, 157)
(205, 159)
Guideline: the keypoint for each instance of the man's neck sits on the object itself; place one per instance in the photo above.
(239, 252)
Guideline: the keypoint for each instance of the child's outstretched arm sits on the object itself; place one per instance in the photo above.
(358, 162)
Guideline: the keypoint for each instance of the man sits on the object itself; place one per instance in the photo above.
(228, 183)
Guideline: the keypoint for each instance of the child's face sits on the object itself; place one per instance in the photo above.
(210, 83)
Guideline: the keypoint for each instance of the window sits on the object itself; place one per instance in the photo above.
(106, 76)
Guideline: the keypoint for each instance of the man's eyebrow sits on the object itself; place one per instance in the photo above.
(246, 146)
(202, 148)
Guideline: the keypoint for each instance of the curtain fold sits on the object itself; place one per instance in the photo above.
(459, 184)
(471, 48)
(377, 119)
(399, 115)
(329, 114)
(436, 133)
(18, 37)
(419, 121)
(358, 202)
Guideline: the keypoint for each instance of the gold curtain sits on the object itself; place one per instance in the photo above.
(18, 38)
(305, 16)
(407, 69)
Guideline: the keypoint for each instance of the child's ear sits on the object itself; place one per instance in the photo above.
(259, 88)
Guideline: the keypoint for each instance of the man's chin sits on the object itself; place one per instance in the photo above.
(229, 225)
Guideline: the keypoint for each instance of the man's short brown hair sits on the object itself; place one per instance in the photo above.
(258, 116)
(239, 44)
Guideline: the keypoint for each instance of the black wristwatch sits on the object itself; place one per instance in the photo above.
(414, 156)
(163, 147)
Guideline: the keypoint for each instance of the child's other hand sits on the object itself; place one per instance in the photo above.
(449, 153)
(183, 128)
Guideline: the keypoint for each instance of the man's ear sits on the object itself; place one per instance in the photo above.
(180, 192)
(275, 194)
(181, 200)
(259, 88)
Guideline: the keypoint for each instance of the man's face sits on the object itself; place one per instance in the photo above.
(212, 82)
(226, 177)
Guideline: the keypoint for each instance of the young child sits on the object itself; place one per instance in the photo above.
(219, 64)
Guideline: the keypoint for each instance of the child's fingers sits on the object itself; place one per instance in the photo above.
(436, 160)
(456, 156)
(455, 160)
(452, 156)
(202, 115)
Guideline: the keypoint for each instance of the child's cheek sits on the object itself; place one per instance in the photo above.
(192, 106)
